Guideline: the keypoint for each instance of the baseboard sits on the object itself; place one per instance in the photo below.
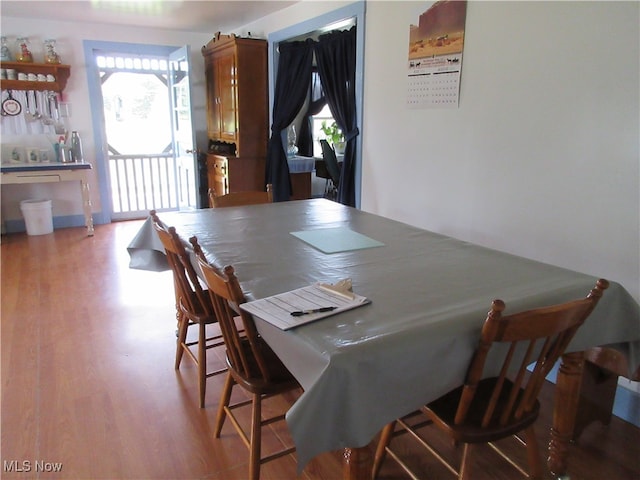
(62, 221)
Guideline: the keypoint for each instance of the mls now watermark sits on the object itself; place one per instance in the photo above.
(26, 466)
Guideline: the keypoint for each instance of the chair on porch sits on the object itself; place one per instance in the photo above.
(193, 306)
(251, 362)
(237, 199)
(484, 410)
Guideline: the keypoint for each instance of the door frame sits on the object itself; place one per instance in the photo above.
(355, 10)
(90, 48)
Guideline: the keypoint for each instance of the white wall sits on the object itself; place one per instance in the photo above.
(69, 36)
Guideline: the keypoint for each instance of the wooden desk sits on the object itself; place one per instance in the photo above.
(53, 173)
(429, 293)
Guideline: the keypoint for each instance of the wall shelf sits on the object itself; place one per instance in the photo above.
(59, 71)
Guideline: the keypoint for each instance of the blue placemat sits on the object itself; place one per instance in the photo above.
(338, 239)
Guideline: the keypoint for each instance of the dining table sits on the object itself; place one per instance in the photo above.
(429, 296)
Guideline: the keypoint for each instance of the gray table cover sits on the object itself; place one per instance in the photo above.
(430, 295)
(146, 251)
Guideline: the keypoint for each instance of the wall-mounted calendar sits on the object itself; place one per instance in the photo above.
(434, 64)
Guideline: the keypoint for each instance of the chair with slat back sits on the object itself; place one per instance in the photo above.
(251, 363)
(331, 163)
(238, 199)
(193, 306)
(490, 409)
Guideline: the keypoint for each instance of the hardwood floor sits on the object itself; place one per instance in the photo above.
(88, 382)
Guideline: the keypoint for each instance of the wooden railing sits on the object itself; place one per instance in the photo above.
(140, 183)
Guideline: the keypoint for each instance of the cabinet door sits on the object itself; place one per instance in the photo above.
(213, 112)
(218, 174)
(227, 97)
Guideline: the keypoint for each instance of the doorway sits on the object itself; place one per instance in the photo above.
(142, 97)
(339, 19)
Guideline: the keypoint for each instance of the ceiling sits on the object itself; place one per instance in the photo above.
(203, 16)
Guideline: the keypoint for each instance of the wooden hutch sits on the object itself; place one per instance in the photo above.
(237, 112)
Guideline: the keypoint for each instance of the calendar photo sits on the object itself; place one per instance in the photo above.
(434, 62)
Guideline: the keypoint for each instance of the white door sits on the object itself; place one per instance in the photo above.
(184, 142)
(144, 132)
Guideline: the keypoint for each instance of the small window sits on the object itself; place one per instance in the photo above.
(316, 123)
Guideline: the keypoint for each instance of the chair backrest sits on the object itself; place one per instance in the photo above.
(331, 161)
(238, 199)
(190, 295)
(546, 330)
(245, 353)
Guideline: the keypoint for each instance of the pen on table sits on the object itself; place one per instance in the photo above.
(299, 313)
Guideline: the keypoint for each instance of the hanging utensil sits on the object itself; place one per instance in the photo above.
(11, 106)
(46, 117)
(27, 114)
(57, 124)
(36, 112)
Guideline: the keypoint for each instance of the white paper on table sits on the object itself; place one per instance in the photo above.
(277, 308)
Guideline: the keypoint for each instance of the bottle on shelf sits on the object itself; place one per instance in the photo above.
(76, 148)
(23, 53)
(5, 53)
(50, 54)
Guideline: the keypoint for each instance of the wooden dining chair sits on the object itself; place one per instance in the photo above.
(251, 363)
(484, 410)
(238, 199)
(332, 166)
(193, 306)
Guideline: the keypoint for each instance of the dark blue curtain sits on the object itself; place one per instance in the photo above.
(292, 84)
(317, 101)
(336, 59)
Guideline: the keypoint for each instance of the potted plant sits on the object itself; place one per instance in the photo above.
(334, 136)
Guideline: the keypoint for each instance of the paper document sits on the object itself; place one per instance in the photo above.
(298, 307)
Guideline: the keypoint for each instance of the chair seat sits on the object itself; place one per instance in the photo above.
(443, 410)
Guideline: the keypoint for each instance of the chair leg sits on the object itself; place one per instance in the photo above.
(385, 439)
(465, 468)
(224, 402)
(202, 362)
(183, 324)
(256, 426)
(533, 454)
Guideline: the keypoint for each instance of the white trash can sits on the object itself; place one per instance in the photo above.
(37, 216)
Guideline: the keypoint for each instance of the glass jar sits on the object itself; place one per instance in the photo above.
(23, 54)
(5, 53)
(50, 55)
